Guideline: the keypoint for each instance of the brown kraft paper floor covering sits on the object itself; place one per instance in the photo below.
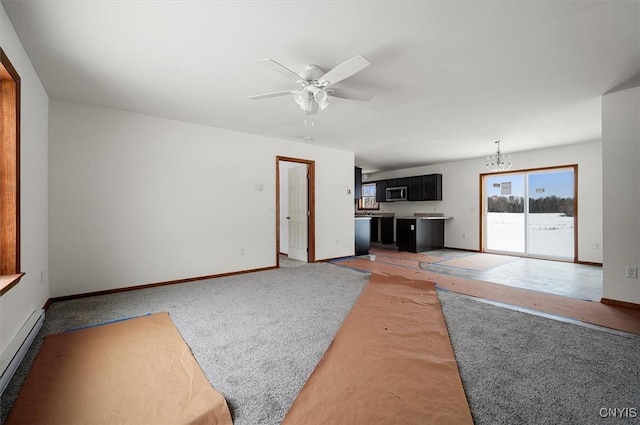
(137, 371)
(391, 362)
(610, 316)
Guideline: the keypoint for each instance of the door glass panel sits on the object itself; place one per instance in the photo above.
(505, 213)
(550, 223)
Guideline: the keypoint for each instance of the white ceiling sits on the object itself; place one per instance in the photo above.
(450, 77)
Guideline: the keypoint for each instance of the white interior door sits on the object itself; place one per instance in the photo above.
(298, 213)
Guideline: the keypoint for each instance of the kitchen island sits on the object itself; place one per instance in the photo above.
(420, 233)
(363, 235)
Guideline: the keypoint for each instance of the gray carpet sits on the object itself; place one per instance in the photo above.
(258, 336)
(519, 368)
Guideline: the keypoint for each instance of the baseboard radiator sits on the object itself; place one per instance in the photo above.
(15, 352)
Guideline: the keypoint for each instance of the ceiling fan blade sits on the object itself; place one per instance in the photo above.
(267, 95)
(351, 94)
(344, 70)
(282, 70)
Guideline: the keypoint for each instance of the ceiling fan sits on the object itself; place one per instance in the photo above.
(315, 84)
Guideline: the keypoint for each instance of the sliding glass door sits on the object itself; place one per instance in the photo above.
(543, 226)
(505, 229)
(551, 216)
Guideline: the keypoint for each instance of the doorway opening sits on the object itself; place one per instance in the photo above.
(295, 209)
(531, 213)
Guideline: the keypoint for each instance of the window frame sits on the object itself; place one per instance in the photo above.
(9, 175)
(362, 203)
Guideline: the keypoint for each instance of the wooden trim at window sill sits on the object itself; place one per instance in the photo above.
(9, 281)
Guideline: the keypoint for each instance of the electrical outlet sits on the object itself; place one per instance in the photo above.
(632, 272)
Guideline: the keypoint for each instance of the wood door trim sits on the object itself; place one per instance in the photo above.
(311, 194)
(10, 160)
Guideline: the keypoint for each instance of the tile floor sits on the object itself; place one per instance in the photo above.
(580, 281)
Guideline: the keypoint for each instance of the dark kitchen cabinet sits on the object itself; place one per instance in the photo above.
(357, 191)
(432, 187)
(425, 188)
(419, 188)
(415, 190)
(398, 182)
(381, 191)
(374, 229)
(386, 230)
(382, 229)
(418, 235)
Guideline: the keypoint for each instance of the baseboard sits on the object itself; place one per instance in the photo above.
(153, 285)
(462, 249)
(47, 304)
(15, 352)
(333, 259)
(588, 263)
(619, 303)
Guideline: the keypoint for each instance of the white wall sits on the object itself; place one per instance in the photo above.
(30, 294)
(137, 199)
(461, 194)
(621, 158)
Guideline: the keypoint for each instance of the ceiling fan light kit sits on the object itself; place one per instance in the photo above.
(303, 99)
(320, 96)
(314, 83)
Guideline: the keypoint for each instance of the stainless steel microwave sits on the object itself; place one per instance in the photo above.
(396, 193)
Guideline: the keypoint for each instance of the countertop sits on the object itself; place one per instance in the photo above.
(376, 215)
(425, 218)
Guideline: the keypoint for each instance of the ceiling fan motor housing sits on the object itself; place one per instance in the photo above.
(312, 73)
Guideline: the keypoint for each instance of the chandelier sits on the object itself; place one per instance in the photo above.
(499, 161)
